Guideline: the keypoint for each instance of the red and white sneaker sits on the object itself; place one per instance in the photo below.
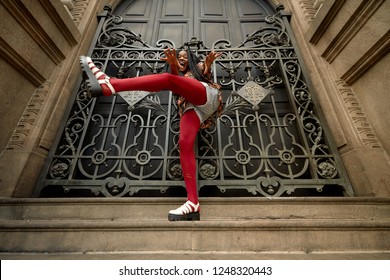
(187, 212)
(98, 83)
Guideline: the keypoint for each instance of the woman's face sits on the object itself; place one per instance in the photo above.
(183, 60)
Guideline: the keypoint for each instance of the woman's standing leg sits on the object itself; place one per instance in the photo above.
(189, 127)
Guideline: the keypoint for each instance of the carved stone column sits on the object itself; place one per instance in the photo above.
(345, 46)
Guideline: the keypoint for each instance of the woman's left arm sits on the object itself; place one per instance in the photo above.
(213, 55)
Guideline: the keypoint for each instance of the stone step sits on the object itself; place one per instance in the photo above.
(229, 228)
(211, 208)
(197, 255)
(225, 235)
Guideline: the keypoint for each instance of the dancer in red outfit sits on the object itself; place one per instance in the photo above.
(200, 99)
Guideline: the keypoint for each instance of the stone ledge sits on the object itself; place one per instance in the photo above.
(199, 255)
(164, 200)
(229, 224)
(230, 236)
(212, 208)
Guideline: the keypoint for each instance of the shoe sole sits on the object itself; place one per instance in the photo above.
(186, 217)
(93, 86)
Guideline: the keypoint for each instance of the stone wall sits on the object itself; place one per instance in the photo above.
(40, 42)
(346, 48)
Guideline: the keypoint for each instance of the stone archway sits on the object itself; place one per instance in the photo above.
(270, 140)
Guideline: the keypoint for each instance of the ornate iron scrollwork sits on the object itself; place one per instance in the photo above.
(113, 35)
(269, 140)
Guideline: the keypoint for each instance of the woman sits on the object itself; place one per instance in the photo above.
(199, 101)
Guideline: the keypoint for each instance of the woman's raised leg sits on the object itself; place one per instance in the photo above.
(192, 90)
(100, 84)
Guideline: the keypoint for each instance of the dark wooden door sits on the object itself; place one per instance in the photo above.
(180, 20)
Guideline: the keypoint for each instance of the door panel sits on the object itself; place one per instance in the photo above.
(213, 8)
(212, 31)
(175, 8)
(250, 8)
(176, 31)
(138, 9)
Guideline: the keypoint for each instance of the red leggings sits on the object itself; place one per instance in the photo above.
(189, 127)
(194, 92)
(191, 89)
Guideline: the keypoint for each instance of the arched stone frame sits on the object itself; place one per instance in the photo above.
(270, 183)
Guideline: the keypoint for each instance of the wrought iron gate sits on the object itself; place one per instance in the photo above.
(269, 141)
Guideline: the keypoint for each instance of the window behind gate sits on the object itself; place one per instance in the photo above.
(270, 140)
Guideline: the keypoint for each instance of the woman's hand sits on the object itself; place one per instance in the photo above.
(171, 59)
(209, 61)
